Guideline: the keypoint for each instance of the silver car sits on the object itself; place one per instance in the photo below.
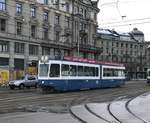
(26, 81)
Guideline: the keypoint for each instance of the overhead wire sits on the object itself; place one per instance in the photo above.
(123, 22)
(127, 24)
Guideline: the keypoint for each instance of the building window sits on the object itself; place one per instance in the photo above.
(33, 31)
(95, 16)
(33, 12)
(57, 36)
(57, 2)
(81, 11)
(141, 47)
(19, 28)
(117, 44)
(67, 22)
(18, 8)
(45, 33)
(46, 2)
(4, 46)
(19, 47)
(3, 25)
(45, 16)
(85, 13)
(67, 7)
(126, 45)
(18, 65)
(33, 50)
(45, 51)
(57, 19)
(131, 52)
(2, 5)
(83, 26)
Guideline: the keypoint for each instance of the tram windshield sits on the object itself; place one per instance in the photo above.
(148, 73)
(43, 70)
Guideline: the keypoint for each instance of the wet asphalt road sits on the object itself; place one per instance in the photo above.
(32, 100)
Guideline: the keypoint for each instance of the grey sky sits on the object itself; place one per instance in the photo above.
(124, 15)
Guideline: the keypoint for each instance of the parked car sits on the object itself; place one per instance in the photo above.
(26, 81)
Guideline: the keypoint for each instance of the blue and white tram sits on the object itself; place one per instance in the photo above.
(148, 76)
(66, 75)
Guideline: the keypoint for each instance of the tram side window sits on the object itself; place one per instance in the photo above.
(115, 72)
(87, 71)
(54, 70)
(90, 71)
(109, 72)
(96, 71)
(43, 70)
(80, 71)
(121, 73)
(65, 70)
(73, 70)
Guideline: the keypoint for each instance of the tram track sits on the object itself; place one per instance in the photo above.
(128, 109)
(49, 98)
(109, 112)
(12, 101)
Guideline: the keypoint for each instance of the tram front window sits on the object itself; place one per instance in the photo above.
(54, 70)
(148, 73)
(43, 70)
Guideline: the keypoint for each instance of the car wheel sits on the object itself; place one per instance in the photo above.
(21, 86)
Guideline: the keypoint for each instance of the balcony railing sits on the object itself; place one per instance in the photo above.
(57, 28)
(67, 31)
(83, 32)
(87, 48)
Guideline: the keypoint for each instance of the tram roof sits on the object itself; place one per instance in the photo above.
(92, 61)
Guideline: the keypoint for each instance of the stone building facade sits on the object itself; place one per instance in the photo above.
(148, 54)
(32, 28)
(127, 48)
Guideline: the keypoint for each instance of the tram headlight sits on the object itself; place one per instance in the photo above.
(42, 82)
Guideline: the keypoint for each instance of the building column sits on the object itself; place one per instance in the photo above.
(26, 58)
(39, 52)
(11, 60)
